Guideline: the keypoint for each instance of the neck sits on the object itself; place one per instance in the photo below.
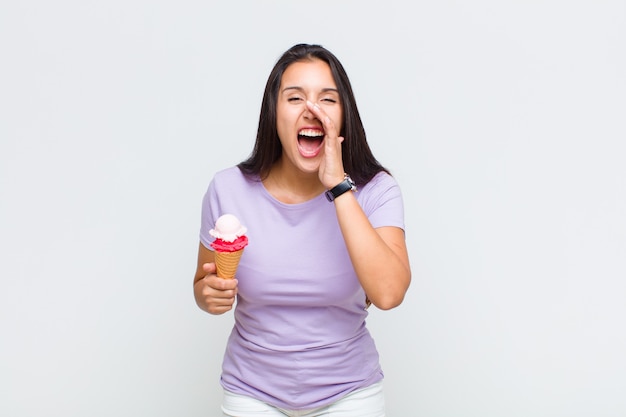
(292, 186)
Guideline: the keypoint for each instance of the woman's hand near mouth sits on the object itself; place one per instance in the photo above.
(331, 170)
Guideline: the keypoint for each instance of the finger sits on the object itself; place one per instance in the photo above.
(209, 267)
(217, 302)
(210, 291)
(219, 305)
(329, 126)
(221, 284)
(221, 297)
(219, 309)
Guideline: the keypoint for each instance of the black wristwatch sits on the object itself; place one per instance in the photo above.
(344, 186)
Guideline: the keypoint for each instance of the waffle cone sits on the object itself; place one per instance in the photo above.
(227, 263)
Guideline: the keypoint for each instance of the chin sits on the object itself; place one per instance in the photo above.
(309, 167)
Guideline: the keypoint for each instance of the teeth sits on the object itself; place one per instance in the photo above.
(311, 133)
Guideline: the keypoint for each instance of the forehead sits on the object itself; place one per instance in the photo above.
(308, 73)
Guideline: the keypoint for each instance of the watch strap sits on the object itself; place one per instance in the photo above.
(343, 187)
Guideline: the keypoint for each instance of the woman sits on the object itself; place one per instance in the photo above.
(323, 245)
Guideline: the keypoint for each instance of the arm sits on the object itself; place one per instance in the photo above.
(379, 256)
(213, 294)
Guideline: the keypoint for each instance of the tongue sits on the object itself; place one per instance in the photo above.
(309, 144)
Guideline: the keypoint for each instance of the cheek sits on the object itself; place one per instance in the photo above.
(281, 121)
(286, 119)
(337, 119)
(284, 132)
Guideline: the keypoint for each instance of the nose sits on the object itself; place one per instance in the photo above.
(308, 114)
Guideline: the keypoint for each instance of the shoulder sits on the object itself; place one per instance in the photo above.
(229, 174)
(382, 182)
(228, 192)
(381, 201)
(231, 177)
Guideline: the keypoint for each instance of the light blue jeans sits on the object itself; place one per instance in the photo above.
(366, 402)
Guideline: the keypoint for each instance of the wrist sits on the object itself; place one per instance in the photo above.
(341, 188)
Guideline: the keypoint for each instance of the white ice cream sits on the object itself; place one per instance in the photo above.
(228, 228)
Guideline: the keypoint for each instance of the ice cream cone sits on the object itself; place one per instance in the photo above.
(230, 240)
(227, 263)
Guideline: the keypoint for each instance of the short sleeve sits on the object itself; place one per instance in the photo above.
(382, 202)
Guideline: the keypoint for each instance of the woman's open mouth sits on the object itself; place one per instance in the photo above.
(310, 142)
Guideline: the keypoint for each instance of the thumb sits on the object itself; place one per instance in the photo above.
(209, 267)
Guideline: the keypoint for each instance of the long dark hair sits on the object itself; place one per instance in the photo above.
(357, 156)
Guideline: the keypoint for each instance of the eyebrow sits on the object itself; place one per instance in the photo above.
(324, 90)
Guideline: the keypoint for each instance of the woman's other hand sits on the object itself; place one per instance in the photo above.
(213, 294)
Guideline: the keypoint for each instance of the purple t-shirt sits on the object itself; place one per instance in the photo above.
(299, 339)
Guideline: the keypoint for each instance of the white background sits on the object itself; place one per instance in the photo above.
(504, 123)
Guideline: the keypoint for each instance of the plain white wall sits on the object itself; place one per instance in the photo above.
(502, 121)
